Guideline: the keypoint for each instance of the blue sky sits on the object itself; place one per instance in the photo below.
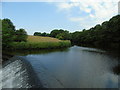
(46, 16)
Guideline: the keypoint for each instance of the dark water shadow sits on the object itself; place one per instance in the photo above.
(116, 69)
(28, 52)
(110, 52)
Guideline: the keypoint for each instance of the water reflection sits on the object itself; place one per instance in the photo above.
(113, 55)
(28, 52)
(76, 67)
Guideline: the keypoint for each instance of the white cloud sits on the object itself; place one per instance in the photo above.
(64, 6)
(96, 11)
(92, 16)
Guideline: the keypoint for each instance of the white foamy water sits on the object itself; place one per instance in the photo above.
(14, 75)
(0, 79)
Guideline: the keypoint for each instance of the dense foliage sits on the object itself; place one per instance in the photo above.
(17, 39)
(10, 34)
(106, 35)
(60, 34)
(20, 35)
(41, 34)
(63, 35)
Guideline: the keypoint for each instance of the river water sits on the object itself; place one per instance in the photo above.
(75, 67)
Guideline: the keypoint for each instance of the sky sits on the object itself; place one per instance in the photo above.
(73, 15)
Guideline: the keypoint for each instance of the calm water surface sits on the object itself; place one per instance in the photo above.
(75, 67)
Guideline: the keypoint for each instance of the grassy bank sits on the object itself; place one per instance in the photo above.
(36, 42)
(41, 39)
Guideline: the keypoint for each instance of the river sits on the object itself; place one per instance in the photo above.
(75, 67)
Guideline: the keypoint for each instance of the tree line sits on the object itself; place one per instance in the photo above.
(105, 35)
(56, 33)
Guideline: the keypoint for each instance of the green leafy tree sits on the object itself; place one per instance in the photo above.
(37, 34)
(41, 34)
(21, 35)
(8, 32)
(63, 36)
(55, 32)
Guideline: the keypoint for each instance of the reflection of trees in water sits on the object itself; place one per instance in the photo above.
(8, 54)
(116, 69)
(41, 51)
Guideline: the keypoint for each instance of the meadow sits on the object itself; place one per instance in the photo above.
(41, 39)
(38, 42)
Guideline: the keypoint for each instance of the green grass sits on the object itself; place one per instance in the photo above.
(44, 43)
(40, 45)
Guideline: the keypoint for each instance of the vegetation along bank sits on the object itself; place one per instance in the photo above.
(105, 35)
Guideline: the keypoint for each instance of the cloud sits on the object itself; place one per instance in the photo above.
(91, 12)
(64, 6)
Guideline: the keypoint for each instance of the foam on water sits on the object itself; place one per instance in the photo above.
(14, 75)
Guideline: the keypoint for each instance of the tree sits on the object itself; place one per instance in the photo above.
(41, 34)
(37, 34)
(8, 32)
(63, 36)
(55, 32)
(21, 35)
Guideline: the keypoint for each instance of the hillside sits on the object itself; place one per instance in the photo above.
(41, 39)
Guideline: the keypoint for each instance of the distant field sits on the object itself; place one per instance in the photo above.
(38, 42)
(41, 39)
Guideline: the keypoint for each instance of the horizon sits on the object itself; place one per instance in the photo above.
(47, 16)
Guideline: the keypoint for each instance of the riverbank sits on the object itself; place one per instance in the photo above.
(38, 42)
(115, 50)
(39, 45)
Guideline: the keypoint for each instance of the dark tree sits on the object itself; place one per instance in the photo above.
(106, 35)
(55, 32)
(37, 34)
(21, 35)
(8, 33)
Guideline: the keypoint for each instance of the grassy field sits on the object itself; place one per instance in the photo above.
(38, 42)
(41, 39)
